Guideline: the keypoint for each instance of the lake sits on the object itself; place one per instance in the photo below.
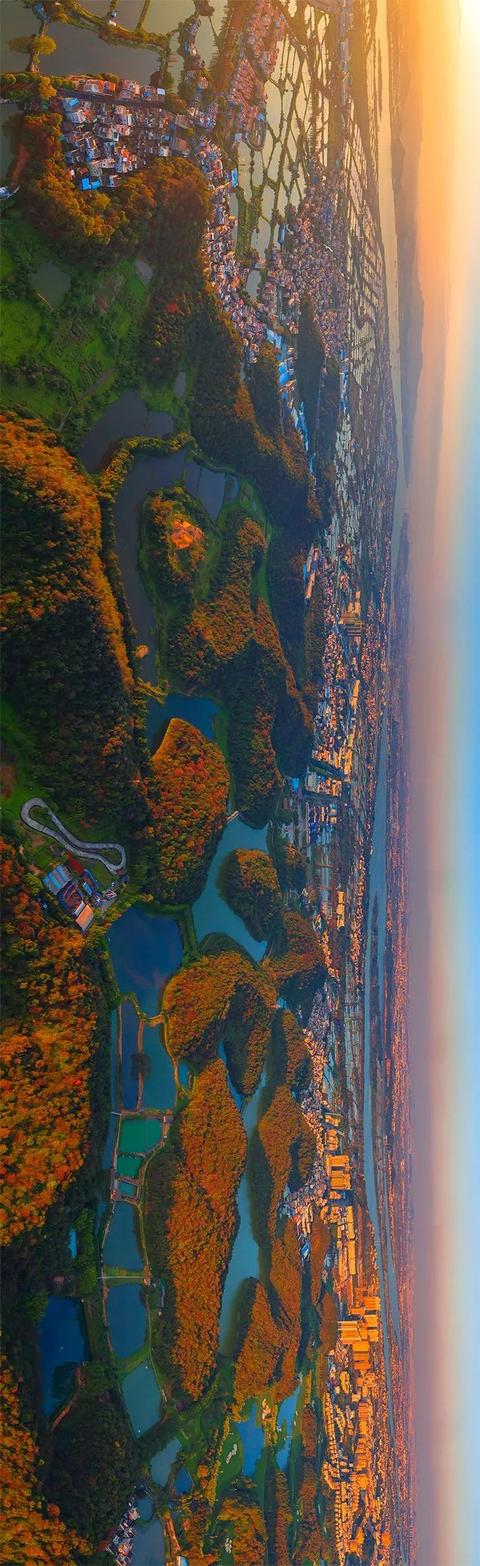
(158, 1083)
(62, 1346)
(149, 1545)
(253, 1439)
(286, 1416)
(127, 1318)
(121, 1248)
(211, 912)
(145, 949)
(125, 418)
(199, 710)
(245, 1257)
(143, 1398)
(129, 1050)
(162, 1464)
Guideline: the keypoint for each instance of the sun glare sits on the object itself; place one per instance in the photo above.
(470, 11)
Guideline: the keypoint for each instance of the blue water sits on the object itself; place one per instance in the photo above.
(145, 949)
(144, 1505)
(183, 1482)
(149, 1545)
(142, 1397)
(252, 1438)
(199, 710)
(159, 1084)
(129, 1049)
(113, 1121)
(286, 1416)
(162, 1464)
(245, 1258)
(211, 913)
(127, 1318)
(121, 1245)
(62, 1345)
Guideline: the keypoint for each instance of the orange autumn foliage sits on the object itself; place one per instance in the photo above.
(190, 1220)
(29, 1533)
(191, 785)
(260, 1348)
(49, 1037)
(223, 996)
(299, 959)
(286, 1283)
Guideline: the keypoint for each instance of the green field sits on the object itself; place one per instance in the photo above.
(66, 361)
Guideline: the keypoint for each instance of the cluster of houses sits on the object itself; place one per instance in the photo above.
(256, 57)
(77, 892)
(114, 128)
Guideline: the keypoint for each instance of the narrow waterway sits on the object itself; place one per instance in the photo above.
(377, 877)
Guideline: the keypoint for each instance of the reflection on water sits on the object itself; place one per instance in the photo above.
(145, 950)
(211, 912)
(62, 1345)
(127, 1318)
(245, 1257)
(142, 1397)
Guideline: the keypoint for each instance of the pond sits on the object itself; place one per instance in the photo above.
(162, 1464)
(127, 1318)
(143, 1397)
(79, 49)
(211, 913)
(51, 282)
(199, 710)
(129, 1050)
(286, 1416)
(139, 1135)
(121, 1248)
(149, 1545)
(183, 1482)
(145, 950)
(62, 1346)
(245, 1257)
(125, 418)
(253, 1439)
(158, 1083)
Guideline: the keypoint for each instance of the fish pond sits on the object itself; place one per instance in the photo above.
(127, 1318)
(63, 1346)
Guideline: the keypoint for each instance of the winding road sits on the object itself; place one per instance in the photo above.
(97, 851)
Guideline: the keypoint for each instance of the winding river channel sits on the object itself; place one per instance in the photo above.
(377, 876)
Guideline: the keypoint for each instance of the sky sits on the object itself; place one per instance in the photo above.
(445, 923)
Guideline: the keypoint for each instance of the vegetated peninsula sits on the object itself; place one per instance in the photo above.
(196, 518)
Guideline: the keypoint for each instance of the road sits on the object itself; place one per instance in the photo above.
(97, 851)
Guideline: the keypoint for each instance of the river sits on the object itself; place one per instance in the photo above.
(377, 876)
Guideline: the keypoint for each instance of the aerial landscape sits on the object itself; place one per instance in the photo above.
(230, 459)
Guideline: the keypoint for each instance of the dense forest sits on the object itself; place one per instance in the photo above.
(250, 885)
(190, 1219)
(65, 666)
(32, 1530)
(190, 790)
(52, 1001)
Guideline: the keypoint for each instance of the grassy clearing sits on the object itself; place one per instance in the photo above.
(66, 362)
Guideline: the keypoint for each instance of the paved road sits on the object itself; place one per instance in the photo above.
(97, 851)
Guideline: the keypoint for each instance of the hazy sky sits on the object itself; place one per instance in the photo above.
(445, 527)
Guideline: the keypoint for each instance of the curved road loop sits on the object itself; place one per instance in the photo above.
(97, 851)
